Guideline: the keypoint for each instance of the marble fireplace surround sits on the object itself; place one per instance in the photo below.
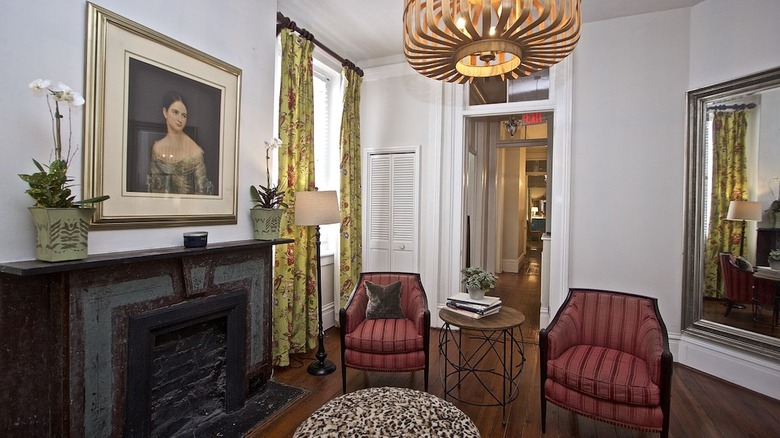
(65, 328)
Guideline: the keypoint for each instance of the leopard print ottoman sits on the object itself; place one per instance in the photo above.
(387, 412)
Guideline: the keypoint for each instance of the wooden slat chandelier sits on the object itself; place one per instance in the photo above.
(460, 40)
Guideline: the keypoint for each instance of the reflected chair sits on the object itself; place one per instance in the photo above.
(606, 356)
(740, 287)
(386, 345)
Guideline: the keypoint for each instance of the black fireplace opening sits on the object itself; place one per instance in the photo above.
(185, 366)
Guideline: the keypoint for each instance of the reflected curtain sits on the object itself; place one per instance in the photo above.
(295, 295)
(729, 183)
(350, 249)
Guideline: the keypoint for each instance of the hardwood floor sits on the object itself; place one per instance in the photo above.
(702, 406)
(741, 318)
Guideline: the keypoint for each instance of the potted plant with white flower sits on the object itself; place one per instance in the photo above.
(61, 222)
(478, 281)
(267, 214)
(774, 259)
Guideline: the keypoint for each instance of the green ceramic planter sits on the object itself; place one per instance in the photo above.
(61, 233)
(267, 223)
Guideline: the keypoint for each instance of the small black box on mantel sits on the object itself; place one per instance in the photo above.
(196, 239)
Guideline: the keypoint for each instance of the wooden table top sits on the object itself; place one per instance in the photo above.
(506, 318)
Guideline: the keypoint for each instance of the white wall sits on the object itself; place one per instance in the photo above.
(630, 78)
(46, 39)
(731, 39)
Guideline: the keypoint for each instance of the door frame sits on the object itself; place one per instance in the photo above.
(559, 200)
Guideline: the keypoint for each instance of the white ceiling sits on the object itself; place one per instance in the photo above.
(362, 30)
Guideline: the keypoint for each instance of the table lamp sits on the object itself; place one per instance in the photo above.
(314, 209)
(744, 211)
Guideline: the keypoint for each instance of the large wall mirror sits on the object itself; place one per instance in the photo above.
(730, 294)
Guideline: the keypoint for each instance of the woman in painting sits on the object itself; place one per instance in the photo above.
(177, 163)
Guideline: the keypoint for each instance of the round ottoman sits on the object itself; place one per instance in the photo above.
(387, 412)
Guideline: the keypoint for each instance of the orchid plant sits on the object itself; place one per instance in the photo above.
(268, 196)
(50, 186)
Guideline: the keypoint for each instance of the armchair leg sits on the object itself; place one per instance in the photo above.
(728, 308)
(343, 378)
(544, 414)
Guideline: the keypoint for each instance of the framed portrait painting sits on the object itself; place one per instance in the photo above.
(161, 128)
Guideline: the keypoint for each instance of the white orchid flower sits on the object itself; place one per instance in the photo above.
(40, 86)
(66, 94)
(274, 143)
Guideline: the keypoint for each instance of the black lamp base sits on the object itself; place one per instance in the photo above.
(323, 368)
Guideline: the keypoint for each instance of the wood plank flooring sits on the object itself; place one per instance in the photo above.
(702, 406)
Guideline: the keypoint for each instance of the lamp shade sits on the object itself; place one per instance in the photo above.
(744, 211)
(459, 40)
(316, 208)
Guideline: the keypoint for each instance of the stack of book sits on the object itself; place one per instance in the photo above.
(767, 273)
(465, 305)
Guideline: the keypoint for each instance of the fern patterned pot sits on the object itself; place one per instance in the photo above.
(61, 233)
(267, 223)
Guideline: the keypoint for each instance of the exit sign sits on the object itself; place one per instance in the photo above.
(532, 118)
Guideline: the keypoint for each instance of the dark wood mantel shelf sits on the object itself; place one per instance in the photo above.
(27, 268)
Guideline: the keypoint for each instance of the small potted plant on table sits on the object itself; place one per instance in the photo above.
(478, 281)
(774, 259)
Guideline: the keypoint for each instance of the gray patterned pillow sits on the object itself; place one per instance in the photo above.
(384, 302)
(743, 264)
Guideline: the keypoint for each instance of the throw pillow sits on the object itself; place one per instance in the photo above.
(384, 302)
(743, 264)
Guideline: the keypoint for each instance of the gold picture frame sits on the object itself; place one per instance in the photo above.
(130, 69)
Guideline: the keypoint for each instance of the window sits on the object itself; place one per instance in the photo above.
(327, 124)
(327, 89)
(523, 89)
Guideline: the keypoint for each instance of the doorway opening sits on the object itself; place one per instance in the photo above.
(507, 185)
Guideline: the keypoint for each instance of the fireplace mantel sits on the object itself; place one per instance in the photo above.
(64, 328)
(26, 268)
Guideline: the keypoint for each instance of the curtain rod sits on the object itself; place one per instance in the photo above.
(736, 107)
(283, 22)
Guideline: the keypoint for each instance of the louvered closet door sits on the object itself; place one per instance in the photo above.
(392, 213)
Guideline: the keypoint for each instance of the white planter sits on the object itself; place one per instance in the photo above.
(476, 294)
(266, 223)
(61, 233)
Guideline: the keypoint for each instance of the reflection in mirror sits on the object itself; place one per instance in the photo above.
(731, 293)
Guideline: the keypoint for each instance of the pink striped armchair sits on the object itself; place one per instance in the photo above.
(606, 355)
(388, 345)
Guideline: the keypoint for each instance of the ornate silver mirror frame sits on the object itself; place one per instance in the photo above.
(693, 273)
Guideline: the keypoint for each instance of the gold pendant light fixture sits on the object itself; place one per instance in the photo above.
(459, 40)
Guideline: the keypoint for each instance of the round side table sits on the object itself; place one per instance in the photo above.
(499, 337)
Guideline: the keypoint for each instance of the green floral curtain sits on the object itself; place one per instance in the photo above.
(729, 183)
(350, 189)
(295, 294)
